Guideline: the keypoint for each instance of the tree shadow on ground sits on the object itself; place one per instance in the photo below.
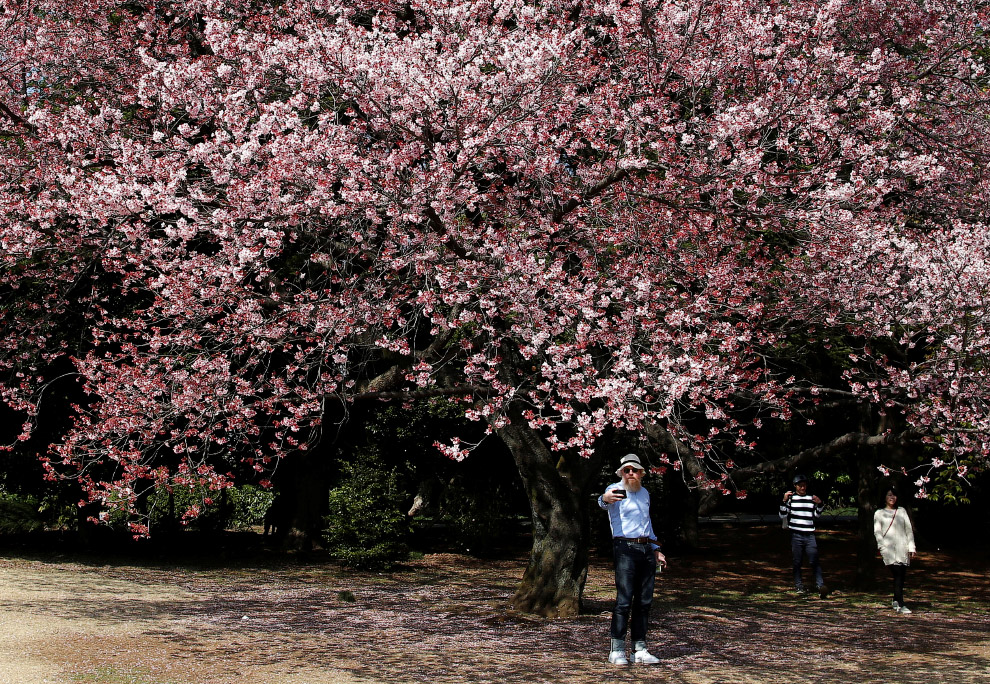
(721, 615)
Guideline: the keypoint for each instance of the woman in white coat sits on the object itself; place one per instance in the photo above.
(895, 539)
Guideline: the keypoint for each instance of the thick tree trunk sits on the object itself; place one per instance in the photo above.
(677, 524)
(866, 463)
(683, 503)
(691, 535)
(558, 488)
(304, 487)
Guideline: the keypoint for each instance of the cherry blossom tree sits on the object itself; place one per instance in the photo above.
(575, 217)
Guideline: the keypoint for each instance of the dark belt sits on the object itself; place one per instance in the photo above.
(637, 540)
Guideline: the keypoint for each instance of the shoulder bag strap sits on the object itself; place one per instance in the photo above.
(891, 523)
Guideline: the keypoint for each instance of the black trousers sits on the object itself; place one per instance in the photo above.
(899, 572)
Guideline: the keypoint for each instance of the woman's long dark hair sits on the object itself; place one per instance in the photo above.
(891, 490)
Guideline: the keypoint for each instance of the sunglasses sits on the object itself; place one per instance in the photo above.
(626, 471)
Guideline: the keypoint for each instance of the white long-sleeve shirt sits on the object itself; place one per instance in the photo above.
(629, 517)
(895, 536)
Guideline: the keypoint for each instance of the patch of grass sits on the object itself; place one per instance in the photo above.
(845, 510)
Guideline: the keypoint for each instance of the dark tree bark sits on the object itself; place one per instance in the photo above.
(686, 502)
(304, 486)
(558, 486)
(677, 521)
(866, 465)
(690, 529)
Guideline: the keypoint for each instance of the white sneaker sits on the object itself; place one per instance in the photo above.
(904, 610)
(618, 658)
(645, 657)
(896, 607)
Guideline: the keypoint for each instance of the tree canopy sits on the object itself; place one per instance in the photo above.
(237, 218)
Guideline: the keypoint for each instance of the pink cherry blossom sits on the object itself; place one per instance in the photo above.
(237, 218)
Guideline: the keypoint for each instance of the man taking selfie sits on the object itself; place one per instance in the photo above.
(637, 558)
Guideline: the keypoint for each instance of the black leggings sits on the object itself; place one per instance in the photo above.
(899, 572)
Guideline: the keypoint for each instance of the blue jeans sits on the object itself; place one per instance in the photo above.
(804, 543)
(635, 574)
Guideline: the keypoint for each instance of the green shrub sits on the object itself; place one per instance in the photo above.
(364, 526)
(248, 504)
(477, 515)
(232, 508)
(57, 513)
(19, 514)
(165, 509)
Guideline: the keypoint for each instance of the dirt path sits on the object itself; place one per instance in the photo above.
(718, 618)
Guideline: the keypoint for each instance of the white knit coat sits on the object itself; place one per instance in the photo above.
(894, 539)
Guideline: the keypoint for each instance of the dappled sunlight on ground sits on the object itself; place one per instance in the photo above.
(721, 615)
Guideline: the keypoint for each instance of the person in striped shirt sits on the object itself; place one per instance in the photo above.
(800, 510)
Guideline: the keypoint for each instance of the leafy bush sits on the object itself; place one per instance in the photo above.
(166, 508)
(364, 526)
(477, 514)
(248, 504)
(19, 514)
(233, 508)
(57, 513)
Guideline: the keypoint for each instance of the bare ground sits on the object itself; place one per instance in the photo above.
(724, 615)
